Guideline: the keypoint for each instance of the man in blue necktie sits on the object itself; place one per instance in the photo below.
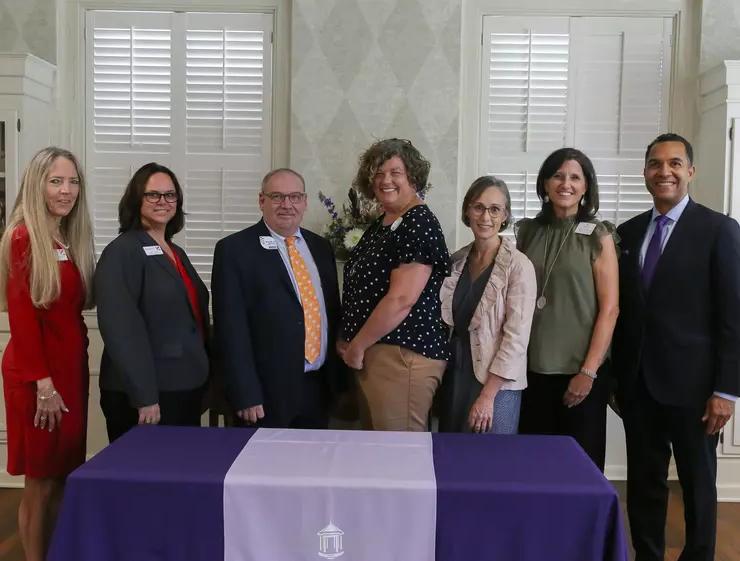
(676, 350)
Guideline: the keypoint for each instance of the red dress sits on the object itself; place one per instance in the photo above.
(44, 342)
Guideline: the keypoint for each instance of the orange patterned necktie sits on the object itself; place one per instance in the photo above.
(311, 313)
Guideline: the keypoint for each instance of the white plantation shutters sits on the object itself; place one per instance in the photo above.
(187, 90)
(227, 117)
(525, 99)
(128, 106)
(598, 84)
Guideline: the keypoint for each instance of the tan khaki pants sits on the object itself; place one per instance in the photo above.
(396, 387)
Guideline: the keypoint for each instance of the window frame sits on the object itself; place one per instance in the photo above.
(71, 16)
(682, 113)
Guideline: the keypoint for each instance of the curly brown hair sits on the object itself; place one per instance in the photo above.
(417, 167)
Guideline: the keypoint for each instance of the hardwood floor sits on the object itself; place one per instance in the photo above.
(728, 523)
(10, 543)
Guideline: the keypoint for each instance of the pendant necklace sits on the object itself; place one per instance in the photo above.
(542, 301)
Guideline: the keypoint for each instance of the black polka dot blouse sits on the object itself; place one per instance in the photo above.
(418, 238)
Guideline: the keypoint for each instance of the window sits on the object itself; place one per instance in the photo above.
(598, 84)
(191, 91)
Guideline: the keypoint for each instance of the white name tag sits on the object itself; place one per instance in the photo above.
(153, 250)
(62, 255)
(268, 242)
(586, 228)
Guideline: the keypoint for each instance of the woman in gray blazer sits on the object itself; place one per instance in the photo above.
(152, 312)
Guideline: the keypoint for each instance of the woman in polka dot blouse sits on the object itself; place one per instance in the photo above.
(392, 331)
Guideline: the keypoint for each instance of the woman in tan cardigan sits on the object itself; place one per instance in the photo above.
(488, 300)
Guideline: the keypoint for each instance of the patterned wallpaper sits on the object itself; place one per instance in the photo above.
(363, 70)
(720, 32)
(29, 26)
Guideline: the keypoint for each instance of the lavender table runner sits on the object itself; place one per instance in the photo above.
(296, 494)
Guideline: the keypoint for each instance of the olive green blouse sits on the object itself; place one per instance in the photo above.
(561, 330)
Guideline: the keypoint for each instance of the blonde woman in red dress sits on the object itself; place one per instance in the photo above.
(46, 268)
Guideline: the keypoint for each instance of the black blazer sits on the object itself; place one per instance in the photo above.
(258, 321)
(152, 341)
(684, 332)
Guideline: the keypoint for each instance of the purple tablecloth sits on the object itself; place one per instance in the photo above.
(157, 494)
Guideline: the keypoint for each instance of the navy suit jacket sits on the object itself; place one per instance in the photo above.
(152, 340)
(683, 333)
(259, 323)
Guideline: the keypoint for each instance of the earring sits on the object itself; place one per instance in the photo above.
(546, 199)
(583, 201)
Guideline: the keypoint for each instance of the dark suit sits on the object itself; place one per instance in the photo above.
(674, 345)
(260, 334)
(152, 340)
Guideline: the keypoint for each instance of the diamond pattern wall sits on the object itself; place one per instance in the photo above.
(363, 70)
(29, 26)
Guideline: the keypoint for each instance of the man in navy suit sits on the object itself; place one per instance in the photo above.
(676, 350)
(278, 373)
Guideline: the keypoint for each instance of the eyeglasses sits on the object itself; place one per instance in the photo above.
(279, 198)
(494, 210)
(155, 196)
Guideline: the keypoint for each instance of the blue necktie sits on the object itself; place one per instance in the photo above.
(653, 250)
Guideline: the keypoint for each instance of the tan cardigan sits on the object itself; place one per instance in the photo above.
(500, 326)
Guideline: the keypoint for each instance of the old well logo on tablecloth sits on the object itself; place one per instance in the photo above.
(330, 542)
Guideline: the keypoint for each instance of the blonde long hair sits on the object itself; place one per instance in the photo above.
(30, 210)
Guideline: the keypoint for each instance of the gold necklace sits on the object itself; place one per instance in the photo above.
(542, 301)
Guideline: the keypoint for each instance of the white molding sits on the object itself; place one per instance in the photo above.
(71, 61)
(24, 74)
(728, 493)
(615, 472)
(11, 481)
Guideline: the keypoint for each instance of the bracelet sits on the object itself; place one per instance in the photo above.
(46, 397)
(587, 372)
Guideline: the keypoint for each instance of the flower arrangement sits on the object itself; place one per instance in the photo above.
(347, 226)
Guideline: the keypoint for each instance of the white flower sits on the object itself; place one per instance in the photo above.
(352, 237)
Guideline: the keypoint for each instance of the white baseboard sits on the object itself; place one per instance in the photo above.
(615, 472)
(727, 492)
(618, 472)
(11, 481)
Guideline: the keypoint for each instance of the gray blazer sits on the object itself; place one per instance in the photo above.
(151, 337)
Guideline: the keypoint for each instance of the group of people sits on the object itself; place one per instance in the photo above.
(505, 336)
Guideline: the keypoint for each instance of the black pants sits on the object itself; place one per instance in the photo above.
(310, 410)
(651, 430)
(177, 408)
(543, 411)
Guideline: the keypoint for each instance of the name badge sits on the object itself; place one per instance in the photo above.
(153, 250)
(62, 255)
(268, 242)
(586, 228)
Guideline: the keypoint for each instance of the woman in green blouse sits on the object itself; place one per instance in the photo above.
(575, 260)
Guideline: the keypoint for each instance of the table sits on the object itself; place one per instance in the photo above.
(158, 493)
